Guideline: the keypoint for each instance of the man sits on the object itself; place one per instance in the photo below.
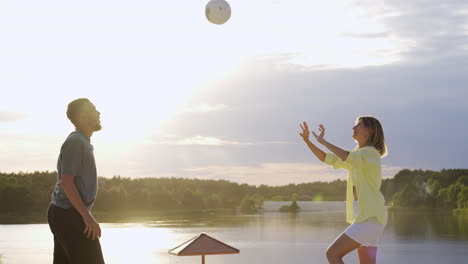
(76, 232)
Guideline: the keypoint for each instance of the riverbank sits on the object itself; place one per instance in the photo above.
(115, 216)
(176, 214)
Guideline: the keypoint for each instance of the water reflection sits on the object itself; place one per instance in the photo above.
(429, 225)
(269, 237)
(405, 224)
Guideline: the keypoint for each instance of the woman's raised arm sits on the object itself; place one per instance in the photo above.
(341, 153)
(305, 136)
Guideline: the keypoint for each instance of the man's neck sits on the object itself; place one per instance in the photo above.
(85, 131)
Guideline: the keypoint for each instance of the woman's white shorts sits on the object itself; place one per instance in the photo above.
(366, 233)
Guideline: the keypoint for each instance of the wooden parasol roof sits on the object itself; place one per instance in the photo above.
(203, 245)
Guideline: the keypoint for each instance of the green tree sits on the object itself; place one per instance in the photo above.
(192, 200)
(443, 198)
(248, 205)
(463, 180)
(414, 194)
(292, 208)
(453, 191)
(15, 199)
(448, 197)
(25, 192)
(462, 198)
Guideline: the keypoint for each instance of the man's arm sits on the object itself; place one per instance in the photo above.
(92, 230)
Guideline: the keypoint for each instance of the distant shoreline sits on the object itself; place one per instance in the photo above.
(24, 197)
(177, 214)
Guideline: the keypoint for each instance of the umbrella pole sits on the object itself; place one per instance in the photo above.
(203, 259)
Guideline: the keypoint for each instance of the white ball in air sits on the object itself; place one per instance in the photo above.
(218, 11)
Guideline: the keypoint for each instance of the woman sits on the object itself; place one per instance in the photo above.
(365, 209)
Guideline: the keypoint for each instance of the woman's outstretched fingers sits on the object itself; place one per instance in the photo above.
(315, 135)
(305, 131)
(320, 137)
(322, 128)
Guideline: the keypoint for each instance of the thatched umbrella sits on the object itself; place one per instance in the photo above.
(203, 245)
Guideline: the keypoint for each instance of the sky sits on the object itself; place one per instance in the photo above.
(181, 97)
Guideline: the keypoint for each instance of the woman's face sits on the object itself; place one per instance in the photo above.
(361, 133)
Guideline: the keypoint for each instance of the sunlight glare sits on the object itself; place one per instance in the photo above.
(134, 243)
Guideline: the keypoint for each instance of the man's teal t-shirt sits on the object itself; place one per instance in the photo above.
(76, 158)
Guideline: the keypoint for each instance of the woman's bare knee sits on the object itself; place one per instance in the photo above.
(331, 254)
(333, 257)
(339, 248)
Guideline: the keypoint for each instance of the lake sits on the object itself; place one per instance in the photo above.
(269, 237)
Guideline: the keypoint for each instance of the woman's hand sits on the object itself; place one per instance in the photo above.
(305, 131)
(320, 138)
(305, 135)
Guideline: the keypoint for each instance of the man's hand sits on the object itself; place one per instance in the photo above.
(92, 229)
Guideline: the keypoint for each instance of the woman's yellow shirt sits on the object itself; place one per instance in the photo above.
(364, 172)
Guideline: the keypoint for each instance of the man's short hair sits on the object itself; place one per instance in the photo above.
(75, 107)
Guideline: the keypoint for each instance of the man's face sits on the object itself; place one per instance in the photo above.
(91, 117)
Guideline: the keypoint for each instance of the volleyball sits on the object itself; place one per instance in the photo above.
(218, 11)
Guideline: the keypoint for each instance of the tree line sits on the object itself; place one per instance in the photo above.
(447, 188)
(30, 192)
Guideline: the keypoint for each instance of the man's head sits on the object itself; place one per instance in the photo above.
(83, 114)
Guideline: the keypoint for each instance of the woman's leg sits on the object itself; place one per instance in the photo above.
(367, 255)
(339, 248)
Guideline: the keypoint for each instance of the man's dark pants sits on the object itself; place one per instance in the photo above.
(70, 243)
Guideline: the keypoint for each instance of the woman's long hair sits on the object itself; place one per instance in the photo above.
(376, 134)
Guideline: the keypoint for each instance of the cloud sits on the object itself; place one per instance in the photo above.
(248, 121)
(417, 103)
(7, 117)
(436, 28)
(275, 174)
(195, 140)
(209, 141)
(420, 30)
(390, 171)
(204, 108)
(367, 35)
